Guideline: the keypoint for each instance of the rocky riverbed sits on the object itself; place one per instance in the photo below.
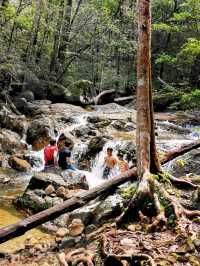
(90, 131)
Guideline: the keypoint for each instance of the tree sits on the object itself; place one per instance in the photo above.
(150, 191)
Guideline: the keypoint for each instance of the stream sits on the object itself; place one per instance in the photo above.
(8, 213)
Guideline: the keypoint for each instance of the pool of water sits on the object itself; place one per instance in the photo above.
(9, 215)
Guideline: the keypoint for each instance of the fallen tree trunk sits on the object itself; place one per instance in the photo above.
(23, 226)
(124, 99)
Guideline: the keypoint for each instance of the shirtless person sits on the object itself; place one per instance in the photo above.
(109, 163)
(122, 164)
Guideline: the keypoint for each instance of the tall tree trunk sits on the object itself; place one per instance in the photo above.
(35, 29)
(57, 38)
(14, 26)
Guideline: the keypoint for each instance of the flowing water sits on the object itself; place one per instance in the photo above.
(8, 213)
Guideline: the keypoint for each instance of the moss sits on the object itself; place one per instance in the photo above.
(127, 193)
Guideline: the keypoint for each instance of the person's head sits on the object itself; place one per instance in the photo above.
(52, 142)
(67, 144)
(109, 151)
(120, 156)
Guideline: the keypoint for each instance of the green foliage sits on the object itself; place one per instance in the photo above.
(163, 177)
(190, 100)
(128, 192)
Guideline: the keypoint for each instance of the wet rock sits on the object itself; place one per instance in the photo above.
(62, 221)
(62, 232)
(95, 146)
(19, 164)
(81, 131)
(90, 228)
(9, 141)
(40, 131)
(117, 124)
(76, 227)
(74, 180)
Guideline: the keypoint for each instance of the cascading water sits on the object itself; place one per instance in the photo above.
(95, 177)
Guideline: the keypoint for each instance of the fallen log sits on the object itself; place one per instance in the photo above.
(172, 154)
(78, 201)
(124, 99)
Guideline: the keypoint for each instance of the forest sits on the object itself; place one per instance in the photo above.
(100, 132)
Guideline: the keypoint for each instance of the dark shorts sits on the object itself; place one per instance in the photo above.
(106, 172)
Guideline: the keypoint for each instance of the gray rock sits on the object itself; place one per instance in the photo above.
(74, 180)
(40, 131)
(43, 180)
(119, 125)
(69, 242)
(9, 141)
(62, 221)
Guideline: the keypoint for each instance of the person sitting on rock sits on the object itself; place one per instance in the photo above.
(109, 164)
(122, 164)
(64, 157)
(50, 154)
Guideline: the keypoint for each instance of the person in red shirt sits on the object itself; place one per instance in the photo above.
(50, 154)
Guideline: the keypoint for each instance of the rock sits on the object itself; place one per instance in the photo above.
(86, 213)
(50, 227)
(95, 146)
(62, 232)
(76, 227)
(9, 141)
(31, 201)
(19, 164)
(183, 165)
(62, 221)
(40, 131)
(16, 123)
(52, 201)
(129, 127)
(55, 92)
(27, 95)
(111, 207)
(90, 228)
(61, 192)
(117, 124)
(69, 242)
(43, 179)
(74, 180)
(49, 190)
(81, 131)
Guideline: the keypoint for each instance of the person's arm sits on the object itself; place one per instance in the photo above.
(55, 158)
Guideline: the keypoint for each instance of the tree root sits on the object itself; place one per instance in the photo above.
(122, 260)
(182, 183)
(165, 206)
(77, 257)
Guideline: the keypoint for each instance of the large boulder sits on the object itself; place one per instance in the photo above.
(43, 180)
(40, 132)
(188, 163)
(98, 211)
(55, 92)
(13, 122)
(74, 180)
(9, 141)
